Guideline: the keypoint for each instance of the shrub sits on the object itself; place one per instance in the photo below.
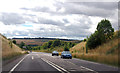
(14, 41)
(84, 40)
(66, 48)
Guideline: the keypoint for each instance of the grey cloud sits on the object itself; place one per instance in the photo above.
(11, 18)
(38, 9)
(65, 20)
(100, 9)
(48, 21)
(73, 8)
(103, 5)
(79, 29)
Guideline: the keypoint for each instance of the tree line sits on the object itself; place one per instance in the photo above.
(48, 45)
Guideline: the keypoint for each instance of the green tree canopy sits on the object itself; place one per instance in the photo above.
(14, 41)
(104, 32)
(22, 44)
(105, 28)
(66, 48)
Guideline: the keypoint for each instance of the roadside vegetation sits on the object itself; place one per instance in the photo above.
(9, 49)
(101, 46)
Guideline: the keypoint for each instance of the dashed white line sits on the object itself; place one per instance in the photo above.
(89, 69)
(32, 57)
(84, 67)
(17, 64)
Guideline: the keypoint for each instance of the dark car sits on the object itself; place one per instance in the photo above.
(55, 53)
(66, 54)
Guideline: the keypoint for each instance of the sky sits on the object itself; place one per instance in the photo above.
(66, 19)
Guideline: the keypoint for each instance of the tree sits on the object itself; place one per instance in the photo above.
(49, 44)
(66, 48)
(94, 40)
(56, 43)
(22, 44)
(84, 40)
(105, 28)
(14, 41)
(104, 32)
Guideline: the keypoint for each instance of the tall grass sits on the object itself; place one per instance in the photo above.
(106, 59)
(106, 53)
(9, 49)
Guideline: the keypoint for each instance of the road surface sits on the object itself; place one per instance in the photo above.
(39, 62)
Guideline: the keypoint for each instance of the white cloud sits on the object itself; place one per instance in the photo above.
(54, 18)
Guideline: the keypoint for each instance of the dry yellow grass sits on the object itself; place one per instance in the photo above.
(9, 49)
(99, 53)
(107, 59)
(102, 49)
(78, 48)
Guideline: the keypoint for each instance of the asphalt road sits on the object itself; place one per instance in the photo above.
(38, 62)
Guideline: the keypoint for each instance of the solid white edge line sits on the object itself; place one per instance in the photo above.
(17, 64)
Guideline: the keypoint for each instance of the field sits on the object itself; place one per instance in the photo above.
(31, 41)
(38, 41)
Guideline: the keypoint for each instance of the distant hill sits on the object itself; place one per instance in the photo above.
(40, 41)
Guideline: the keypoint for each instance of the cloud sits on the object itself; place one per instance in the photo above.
(11, 18)
(100, 9)
(92, 9)
(55, 18)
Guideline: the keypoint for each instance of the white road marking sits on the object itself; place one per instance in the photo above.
(70, 62)
(60, 67)
(55, 66)
(32, 57)
(83, 67)
(17, 64)
(89, 69)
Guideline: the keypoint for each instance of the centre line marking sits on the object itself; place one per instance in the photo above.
(32, 57)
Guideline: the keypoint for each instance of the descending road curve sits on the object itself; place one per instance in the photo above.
(37, 62)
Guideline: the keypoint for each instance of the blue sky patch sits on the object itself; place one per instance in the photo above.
(27, 25)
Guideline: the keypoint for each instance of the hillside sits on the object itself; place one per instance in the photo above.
(39, 41)
(106, 53)
(9, 49)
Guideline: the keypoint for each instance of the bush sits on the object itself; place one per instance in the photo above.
(94, 40)
(66, 48)
(84, 40)
(14, 41)
(10, 43)
(22, 44)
